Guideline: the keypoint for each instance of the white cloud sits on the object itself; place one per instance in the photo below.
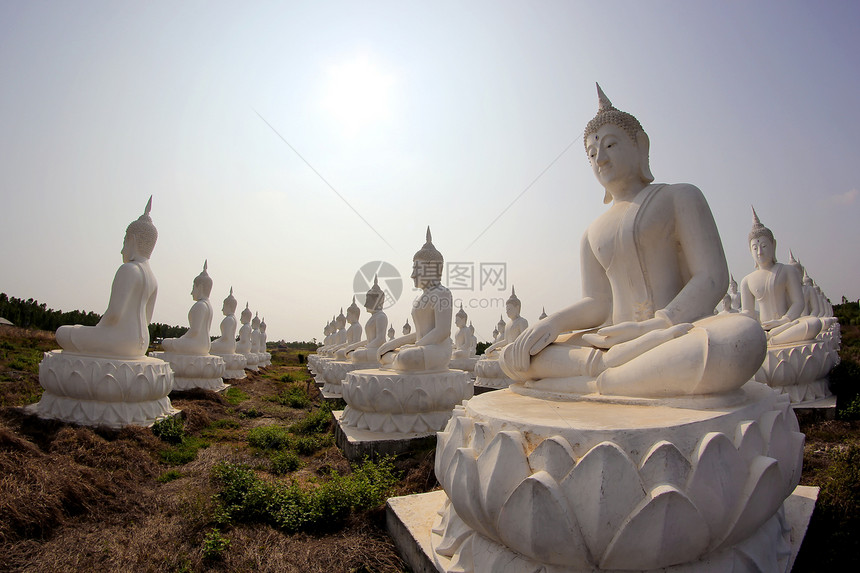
(846, 198)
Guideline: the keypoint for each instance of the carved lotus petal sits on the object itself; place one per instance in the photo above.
(749, 440)
(783, 374)
(479, 437)
(448, 442)
(664, 464)
(384, 401)
(604, 473)
(663, 530)
(811, 367)
(554, 456)
(762, 496)
(419, 401)
(466, 495)
(718, 477)
(535, 521)
(501, 468)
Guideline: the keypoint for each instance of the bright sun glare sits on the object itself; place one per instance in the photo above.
(358, 93)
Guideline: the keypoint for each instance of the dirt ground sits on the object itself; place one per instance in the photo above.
(82, 499)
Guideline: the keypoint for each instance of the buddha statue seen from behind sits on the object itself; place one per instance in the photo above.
(428, 349)
(196, 340)
(653, 270)
(123, 331)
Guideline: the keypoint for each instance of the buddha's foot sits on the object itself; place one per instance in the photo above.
(104, 392)
(392, 402)
(582, 486)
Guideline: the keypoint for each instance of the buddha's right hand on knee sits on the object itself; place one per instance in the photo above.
(532, 340)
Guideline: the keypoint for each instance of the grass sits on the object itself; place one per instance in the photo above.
(293, 396)
(235, 396)
(313, 508)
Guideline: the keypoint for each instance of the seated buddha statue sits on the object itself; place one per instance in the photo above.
(461, 338)
(255, 334)
(428, 349)
(226, 343)
(509, 332)
(364, 351)
(812, 306)
(243, 346)
(196, 340)
(653, 270)
(353, 331)
(473, 341)
(776, 289)
(123, 331)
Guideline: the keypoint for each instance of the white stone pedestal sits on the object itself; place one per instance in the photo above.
(799, 370)
(234, 366)
(251, 362)
(465, 364)
(489, 375)
(605, 483)
(400, 403)
(191, 371)
(335, 374)
(104, 391)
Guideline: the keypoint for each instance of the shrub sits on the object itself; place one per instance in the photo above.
(295, 397)
(214, 544)
(307, 445)
(251, 413)
(170, 429)
(183, 452)
(284, 462)
(234, 396)
(314, 508)
(315, 422)
(287, 378)
(269, 437)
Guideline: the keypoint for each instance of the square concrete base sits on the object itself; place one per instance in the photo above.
(816, 411)
(329, 396)
(357, 444)
(409, 520)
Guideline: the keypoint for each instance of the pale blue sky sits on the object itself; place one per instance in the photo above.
(436, 113)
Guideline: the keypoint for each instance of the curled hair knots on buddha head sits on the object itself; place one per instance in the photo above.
(143, 231)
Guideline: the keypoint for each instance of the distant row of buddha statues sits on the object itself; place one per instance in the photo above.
(102, 375)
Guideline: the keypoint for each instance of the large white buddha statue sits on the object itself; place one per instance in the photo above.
(123, 331)
(653, 270)
(414, 392)
(634, 438)
(193, 365)
(776, 291)
(196, 339)
(101, 377)
(225, 345)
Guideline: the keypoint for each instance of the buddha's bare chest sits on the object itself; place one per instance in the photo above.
(653, 231)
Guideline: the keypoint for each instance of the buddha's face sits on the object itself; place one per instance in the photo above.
(460, 321)
(762, 250)
(426, 273)
(614, 156)
(352, 315)
(128, 249)
(512, 309)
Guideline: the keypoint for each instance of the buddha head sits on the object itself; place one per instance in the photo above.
(616, 145)
(807, 281)
(352, 312)
(542, 313)
(427, 265)
(255, 324)
(407, 328)
(263, 325)
(375, 297)
(327, 329)
(762, 244)
(461, 317)
(391, 332)
(230, 303)
(202, 286)
(471, 329)
(501, 326)
(794, 262)
(245, 317)
(733, 285)
(340, 321)
(140, 237)
(513, 305)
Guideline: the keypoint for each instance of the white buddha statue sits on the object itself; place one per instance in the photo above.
(102, 376)
(353, 331)
(264, 353)
(243, 346)
(461, 338)
(196, 339)
(123, 331)
(812, 306)
(414, 392)
(473, 341)
(777, 291)
(509, 332)
(633, 439)
(225, 345)
(653, 270)
(364, 351)
(734, 295)
(428, 349)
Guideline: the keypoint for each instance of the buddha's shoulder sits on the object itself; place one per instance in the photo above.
(131, 269)
(681, 191)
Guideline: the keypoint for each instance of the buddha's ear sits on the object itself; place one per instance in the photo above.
(644, 146)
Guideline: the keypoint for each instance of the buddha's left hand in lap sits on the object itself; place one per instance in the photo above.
(609, 336)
